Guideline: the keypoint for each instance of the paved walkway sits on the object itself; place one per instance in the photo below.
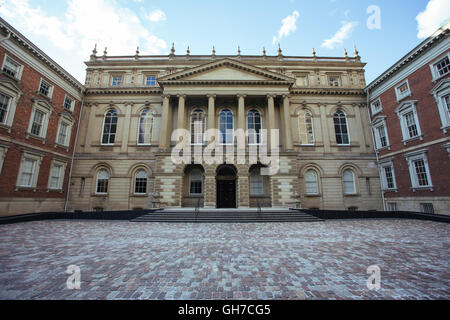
(325, 260)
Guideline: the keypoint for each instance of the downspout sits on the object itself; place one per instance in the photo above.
(73, 154)
(375, 146)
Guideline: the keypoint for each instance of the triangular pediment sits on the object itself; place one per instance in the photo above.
(226, 70)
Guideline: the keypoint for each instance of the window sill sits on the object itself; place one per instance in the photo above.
(30, 135)
(45, 96)
(390, 190)
(352, 195)
(57, 145)
(55, 190)
(195, 195)
(10, 76)
(427, 188)
(384, 148)
(409, 94)
(22, 188)
(318, 195)
(99, 195)
(440, 77)
(6, 127)
(445, 129)
(412, 139)
(376, 112)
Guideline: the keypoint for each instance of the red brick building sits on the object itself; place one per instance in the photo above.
(40, 105)
(410, 115)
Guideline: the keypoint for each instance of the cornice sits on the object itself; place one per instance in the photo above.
(97, 91)
(329, 91)
(225, 82)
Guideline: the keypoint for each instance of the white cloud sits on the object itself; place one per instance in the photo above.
(342, 34)
(288, 25)
(436, 13)
(85, 23)
(156, 16)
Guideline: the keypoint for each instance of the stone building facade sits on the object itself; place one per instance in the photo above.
(40, 106)
(133, 104)
(410, 115)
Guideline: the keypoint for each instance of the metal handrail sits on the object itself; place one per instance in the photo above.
(197, 210)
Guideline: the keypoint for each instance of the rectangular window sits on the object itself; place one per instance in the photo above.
(62, 136)
(381, 137)
(67, 103)
(392, 206)
(402, 90)
(4, 105)
(442, 67)
(446, 100)
(55, 177)
(411, 124)
(421, 172)
(389, 176)
(427, 208)
(26, 175)
(38, 122)
(140, 186)
(376, 107)
(196, 187)
(150, 81)
(334, 81)
(116, 81)
(11, 67)
(45, 88)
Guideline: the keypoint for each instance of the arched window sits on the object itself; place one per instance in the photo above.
(226, 127)
(198, 127)
(140, 182)
(256, 182)
(341, 129)
(102, 181)
(349, 182)
(110, 127)
(196, 182)
(145, 127)
(311, 182)
(306, 128)
(254, 127)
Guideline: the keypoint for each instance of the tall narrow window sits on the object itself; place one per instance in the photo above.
(27, 171)
(4, 106)
(102, 181)
(38, 121)
(55, 176)
(305, 126)
(226, 127)
(145, 127)
(311, 181)
(256, 182)
(140, 182)
(62, 136)
(341, 129)
(254, 127)
(110, 127)
(349, 182)
(196, 182)
(197, 127)
(11, 67)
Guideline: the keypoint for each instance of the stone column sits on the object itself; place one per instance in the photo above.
(181, 112)
(211, 111)
(287, 123)
(360, 126)
(270, 119)
(325, 128)
(165, 134)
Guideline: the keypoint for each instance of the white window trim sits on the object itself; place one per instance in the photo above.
(439, 92)
(255, 134)
(378, 122)
(72, 104)
(19, 72)
(434, 72)
(338, 80)
(117, 76)
(103, 129)
(405, 95)
(134, 183)
(96, 182)
(226, 131)
(14, 93)
(3, 152)
(69, 124)
(262, 182)
(50, 90)
(384, 184)
(35, 175)
(372, 106)
(47, 110)
(403, 109)
(419, 155)
(150, 75)
(204, 129)
(348, 130)
(61, 177)
(317, 183)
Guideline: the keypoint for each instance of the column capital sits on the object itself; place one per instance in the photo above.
(241, 96)
(211, 96)
(166, 96)
(286, 96)
(181, 95)
(271, 95)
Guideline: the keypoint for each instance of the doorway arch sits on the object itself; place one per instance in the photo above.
(226, 178)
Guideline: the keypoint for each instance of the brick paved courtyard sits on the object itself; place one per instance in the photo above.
(324, 260)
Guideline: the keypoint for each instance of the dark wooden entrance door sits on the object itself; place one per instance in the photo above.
(226, 193)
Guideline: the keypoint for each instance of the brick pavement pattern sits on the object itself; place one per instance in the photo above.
(324, 260)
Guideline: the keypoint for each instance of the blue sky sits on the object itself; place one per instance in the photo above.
(68, 29)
